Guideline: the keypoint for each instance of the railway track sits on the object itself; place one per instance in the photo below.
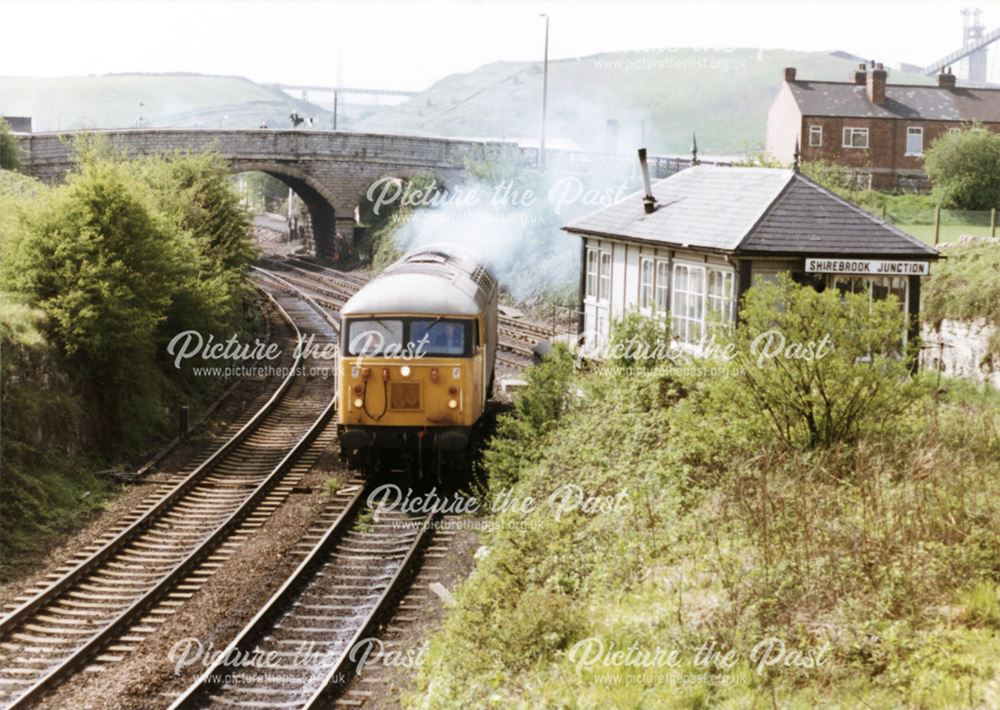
(117, 592)
(297, 651)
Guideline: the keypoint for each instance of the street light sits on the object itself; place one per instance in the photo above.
(545, 93)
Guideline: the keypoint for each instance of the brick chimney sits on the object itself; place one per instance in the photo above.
(876, 84)
(789, 73)
(859, 76)
(946, 79)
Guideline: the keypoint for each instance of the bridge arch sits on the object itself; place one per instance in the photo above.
(320, 203)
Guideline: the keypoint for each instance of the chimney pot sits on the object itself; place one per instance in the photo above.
(946, 79)
(876, 84)
(648, 202)
(859, 76)
(789, 73)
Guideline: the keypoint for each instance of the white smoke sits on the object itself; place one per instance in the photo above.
(515, 224)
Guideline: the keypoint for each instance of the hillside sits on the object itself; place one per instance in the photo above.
(656, 97)
(170, 100)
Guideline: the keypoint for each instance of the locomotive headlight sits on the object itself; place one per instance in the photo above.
(405, 370)
(452, 404)
(358, 402)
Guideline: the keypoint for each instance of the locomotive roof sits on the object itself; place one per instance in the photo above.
(439, 280)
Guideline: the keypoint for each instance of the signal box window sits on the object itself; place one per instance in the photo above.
(645, 284)
(604, 293)
(592, 270)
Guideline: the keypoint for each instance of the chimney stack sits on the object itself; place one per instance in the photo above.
(946, 78)
(859, 76)
(876, 84)
(648, 202)
(789, 73)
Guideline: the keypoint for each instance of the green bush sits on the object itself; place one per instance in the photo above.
(820, 368)
(536, 410)
(639, 341)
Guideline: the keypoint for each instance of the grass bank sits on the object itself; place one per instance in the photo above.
(681, 554)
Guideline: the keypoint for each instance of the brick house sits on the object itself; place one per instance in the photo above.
(877, 128)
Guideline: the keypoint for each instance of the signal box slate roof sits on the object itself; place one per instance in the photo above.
(762, 211)
(830, 98)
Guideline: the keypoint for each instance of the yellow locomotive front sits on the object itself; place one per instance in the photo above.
(418, 347)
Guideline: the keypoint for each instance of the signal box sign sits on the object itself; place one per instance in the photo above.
(873, 267)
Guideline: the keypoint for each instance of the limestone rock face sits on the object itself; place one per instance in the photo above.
(961, 349)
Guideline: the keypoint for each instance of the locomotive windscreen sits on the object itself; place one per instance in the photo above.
(411, 337)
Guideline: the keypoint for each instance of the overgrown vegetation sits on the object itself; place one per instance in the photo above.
(871, 552)
(10, 158)
(97, 275)
(964, 287)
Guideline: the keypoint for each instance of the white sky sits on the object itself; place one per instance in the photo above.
(408, 45)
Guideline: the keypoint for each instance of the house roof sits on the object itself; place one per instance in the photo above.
(832, 98)
(764, 211)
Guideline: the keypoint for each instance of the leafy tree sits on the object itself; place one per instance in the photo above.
(818, 368)
(9, 154)
(106, 268)
(965, 169)
(195, 191)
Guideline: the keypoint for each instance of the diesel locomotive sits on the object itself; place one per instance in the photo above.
(416, 368)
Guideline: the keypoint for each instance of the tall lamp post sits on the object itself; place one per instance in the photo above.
(545, 93)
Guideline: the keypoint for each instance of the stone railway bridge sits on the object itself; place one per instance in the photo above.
(330, 171)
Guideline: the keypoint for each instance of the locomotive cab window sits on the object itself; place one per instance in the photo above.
(450, 338)
(375, 336)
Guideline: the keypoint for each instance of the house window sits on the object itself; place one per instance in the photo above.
(914, 140)
(720, 296)
(688, 305)
(604, 278)
(815, 136)
(645, 283)
(662, 284)
(855, 137)
(592, 255)
(954, 131)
